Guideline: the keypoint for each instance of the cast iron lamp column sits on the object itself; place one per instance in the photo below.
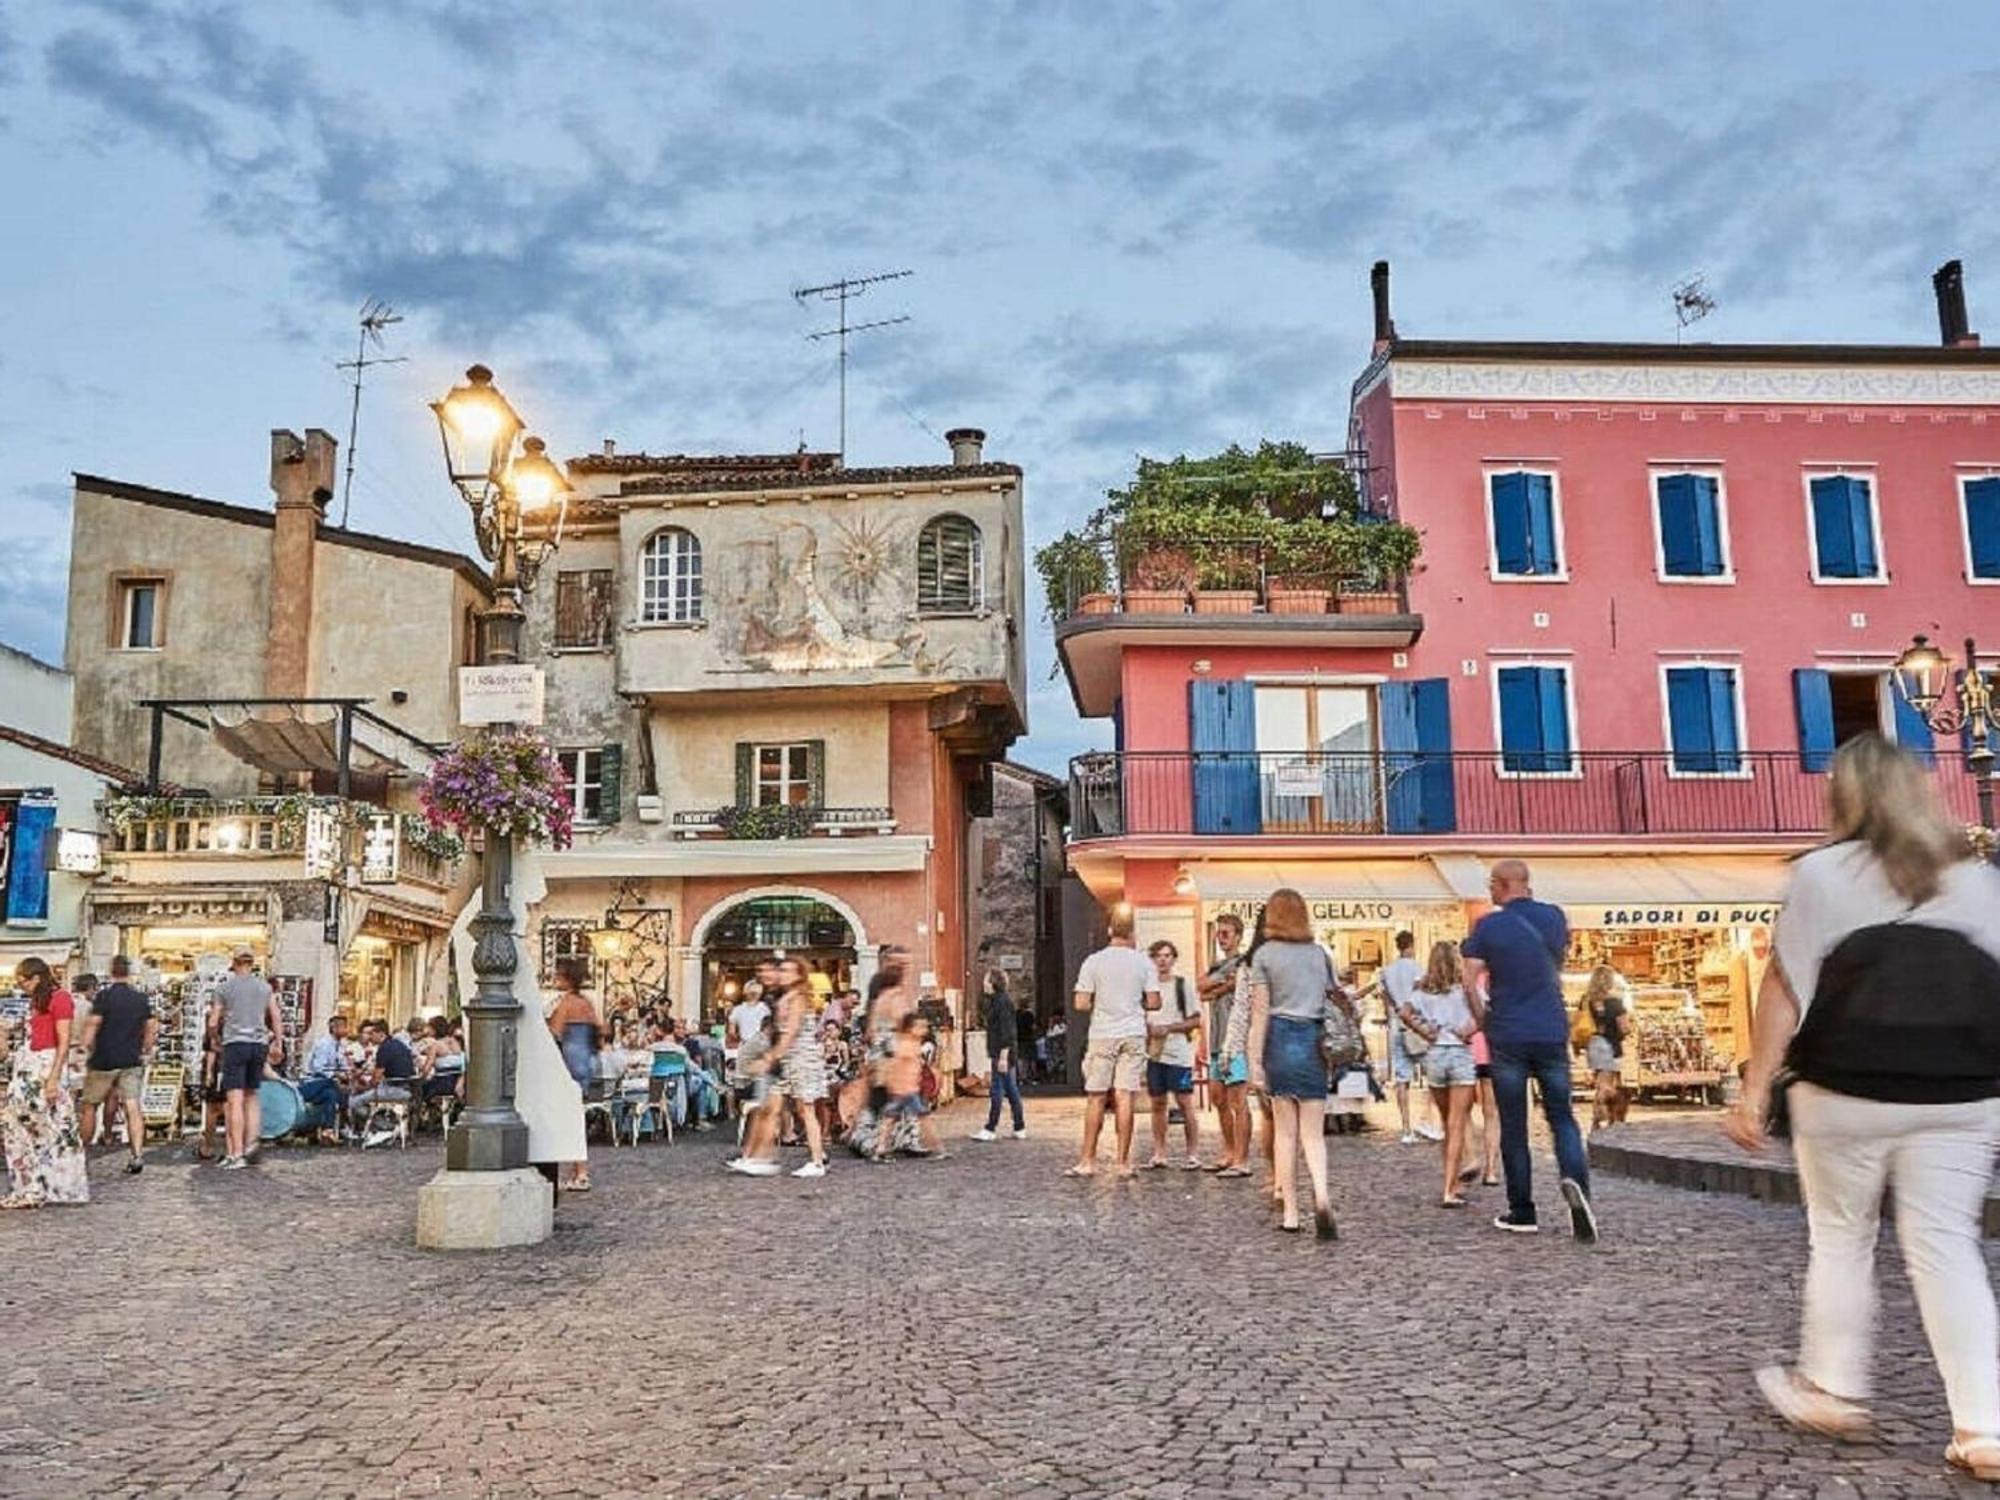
(1923, 676)
(479, 429)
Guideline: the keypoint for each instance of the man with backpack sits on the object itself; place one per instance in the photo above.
(1513, 981)
(1173, 1016)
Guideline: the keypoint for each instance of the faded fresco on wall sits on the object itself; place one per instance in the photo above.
(803, 599)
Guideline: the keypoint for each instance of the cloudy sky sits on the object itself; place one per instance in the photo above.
(1135, 228)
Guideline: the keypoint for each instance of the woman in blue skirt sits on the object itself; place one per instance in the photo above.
(1291, 988)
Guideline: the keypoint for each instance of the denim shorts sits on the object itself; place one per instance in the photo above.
(1167, 1078)
(1229, 1070)
(907, 1106)
(1449, 1067)
(1403, 1068)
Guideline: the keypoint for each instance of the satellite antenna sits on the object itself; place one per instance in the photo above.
(1692, 303)
(840, 291)
(376, 315)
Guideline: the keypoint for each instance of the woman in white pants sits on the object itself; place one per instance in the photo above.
(1888, 962)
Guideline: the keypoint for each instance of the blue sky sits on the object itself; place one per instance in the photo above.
(1135, 228)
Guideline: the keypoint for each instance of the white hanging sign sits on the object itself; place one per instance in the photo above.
(322, 842)
(510, 694)
(381, 849)
(80, 851)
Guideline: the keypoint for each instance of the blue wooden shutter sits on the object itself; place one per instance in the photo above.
(1812, 697)
(1912, 733)
(1833, 528)
(1554, 703)
(1688, 723)
(1708, 525)
(1982, 526)
(1520, 719)
(1396, 702)
(1222, 719)
(1861, 520)
(1541, 524)
(1722, 719)
(1680, 528)
(1511, 549)
(1435, 765)
(28, 861)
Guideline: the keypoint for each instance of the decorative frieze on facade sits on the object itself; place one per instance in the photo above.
(1562, 380)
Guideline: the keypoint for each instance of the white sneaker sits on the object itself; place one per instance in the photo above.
(1430, 1132)
(984, 1135)
(1408, 1138)
(1021, 1134)
(233, 1163)
(811, 1169)
(759, 1168)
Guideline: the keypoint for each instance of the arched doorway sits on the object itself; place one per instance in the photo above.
(734, 936)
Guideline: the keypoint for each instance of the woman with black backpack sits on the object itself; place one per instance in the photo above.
(1877, 1046)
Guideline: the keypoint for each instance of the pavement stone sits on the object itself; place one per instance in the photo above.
(974, 1326)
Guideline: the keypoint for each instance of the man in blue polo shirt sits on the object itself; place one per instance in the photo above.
(1513, 979)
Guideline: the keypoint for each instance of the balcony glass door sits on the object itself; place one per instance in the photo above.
(1318, 770)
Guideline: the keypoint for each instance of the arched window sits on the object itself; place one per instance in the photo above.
(950, 568)
(670, 578)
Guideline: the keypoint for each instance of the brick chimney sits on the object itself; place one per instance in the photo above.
(968, 446)
(1949, 284)
(1378, 285)
(302, 482)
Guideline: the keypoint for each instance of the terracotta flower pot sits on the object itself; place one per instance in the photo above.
(1097, 604)
(1155, 602)
(1225, 601)
(1286, 600)
(1369, 603)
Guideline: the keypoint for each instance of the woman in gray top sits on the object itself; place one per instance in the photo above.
(1291, 985)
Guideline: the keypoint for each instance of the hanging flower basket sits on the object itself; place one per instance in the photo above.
(506, 783)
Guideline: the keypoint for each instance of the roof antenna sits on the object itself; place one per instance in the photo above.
(376, 315)
(1692, 303)
(840, 291)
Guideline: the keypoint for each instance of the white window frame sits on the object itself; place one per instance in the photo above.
(1494, 666)
(128, 600)
(1669, 662)
(576, 763)
(1967, 473)
(1487, 472)
(1654, 474)
(977, 604)
(1845, 471)
(648, 620)
(786, 780)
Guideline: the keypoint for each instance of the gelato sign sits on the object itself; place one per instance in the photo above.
(1343, 912)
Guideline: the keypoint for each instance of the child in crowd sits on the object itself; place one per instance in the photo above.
(904, 1078)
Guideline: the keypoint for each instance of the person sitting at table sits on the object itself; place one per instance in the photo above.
(390, 1074)
(444, 1062)
(324, 1086)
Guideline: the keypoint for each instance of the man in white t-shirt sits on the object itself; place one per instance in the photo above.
(746, 1020)
(1111, 990)
(1173, 1021)
(1398, 981)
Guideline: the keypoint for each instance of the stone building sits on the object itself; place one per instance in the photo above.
(1014, 860)
(306, 668)
(779, 686)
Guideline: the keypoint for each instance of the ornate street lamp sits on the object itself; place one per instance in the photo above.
(479, 428)
(1924, 676)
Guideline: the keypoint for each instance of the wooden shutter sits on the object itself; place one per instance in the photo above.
(746, 775)
(948, 564)
(1708, 525)
(1833, 528)
(1680, 529)
(1982, 526)
(1912, 732)
(611, 780)
(1511, 549)
(1541, 524)
(1690, 722)
(1416, 746)
(816, 773)
(1222, 719)
(1812, 699)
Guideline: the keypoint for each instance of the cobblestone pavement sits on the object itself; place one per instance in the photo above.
(973, 1326)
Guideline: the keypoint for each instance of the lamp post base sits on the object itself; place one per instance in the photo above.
(484, 1210)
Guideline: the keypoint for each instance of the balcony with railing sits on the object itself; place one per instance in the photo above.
(783, 821)
(1575, 795)
(159, 839)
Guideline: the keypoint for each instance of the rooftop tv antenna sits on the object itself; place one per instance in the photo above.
(1692, 303)
(841, 291)
(376, 315)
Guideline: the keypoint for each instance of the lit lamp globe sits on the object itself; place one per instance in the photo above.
(1922, 674)
(537, 481)
(479, 428)
(611, 944)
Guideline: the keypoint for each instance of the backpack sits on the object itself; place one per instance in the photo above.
(1903, 1012)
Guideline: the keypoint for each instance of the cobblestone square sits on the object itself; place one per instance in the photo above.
(973, 1326)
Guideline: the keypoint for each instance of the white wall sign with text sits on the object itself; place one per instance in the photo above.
(509, 694)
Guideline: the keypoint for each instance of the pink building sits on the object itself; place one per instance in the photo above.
(1660, 583)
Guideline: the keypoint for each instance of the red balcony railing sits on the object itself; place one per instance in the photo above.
(1580, 794)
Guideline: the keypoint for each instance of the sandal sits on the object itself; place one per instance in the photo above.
(1805, 1406)
(1235, 1172)
(19, 1200)
(1979, 1457)
(1192, 1164)
(1489, 1182)
(1157, 1164)
(1079, 1170)
(1451, 1203)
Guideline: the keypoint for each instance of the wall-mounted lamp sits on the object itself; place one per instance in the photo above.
(1183, 882)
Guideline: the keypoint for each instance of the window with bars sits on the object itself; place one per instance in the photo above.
(565, 937)
(950, 567)
(670, 578)
(583, 609)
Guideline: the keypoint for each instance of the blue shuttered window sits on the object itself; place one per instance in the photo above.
(1701, 720)
(1222, 720)
(1843, 517)
(1812, 698)
(1690, 509)
(1982, 526)
(33, 839)
(1912, 733)
(1534, 719)
(1416, 748)
(1524, 525)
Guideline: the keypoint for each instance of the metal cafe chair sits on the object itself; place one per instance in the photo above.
(391, 1119)
(667, 1075)
(601, 1100)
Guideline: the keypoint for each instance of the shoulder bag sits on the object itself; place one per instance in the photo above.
(1339, 1037)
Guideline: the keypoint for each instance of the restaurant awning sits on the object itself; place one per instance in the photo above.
(1642, 890)
(292, 738)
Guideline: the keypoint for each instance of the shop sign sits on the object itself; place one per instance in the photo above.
(1011, 963)
(329, 929)
(510, 694)
(322, 842)
(1296, 778)
(1683, 914)
(381, 849)
(80, 851)
(1334, 912)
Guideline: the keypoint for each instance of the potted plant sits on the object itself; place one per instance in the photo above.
(1304, 561)
(1158, 579)
(1076, 579)
(1387, 550)
(509, 783)
(1226, 579)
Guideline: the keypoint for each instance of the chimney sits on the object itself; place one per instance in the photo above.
(1385, 326)
(610, 447)
(1949, 284)
(967, 446)
(302, 482)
